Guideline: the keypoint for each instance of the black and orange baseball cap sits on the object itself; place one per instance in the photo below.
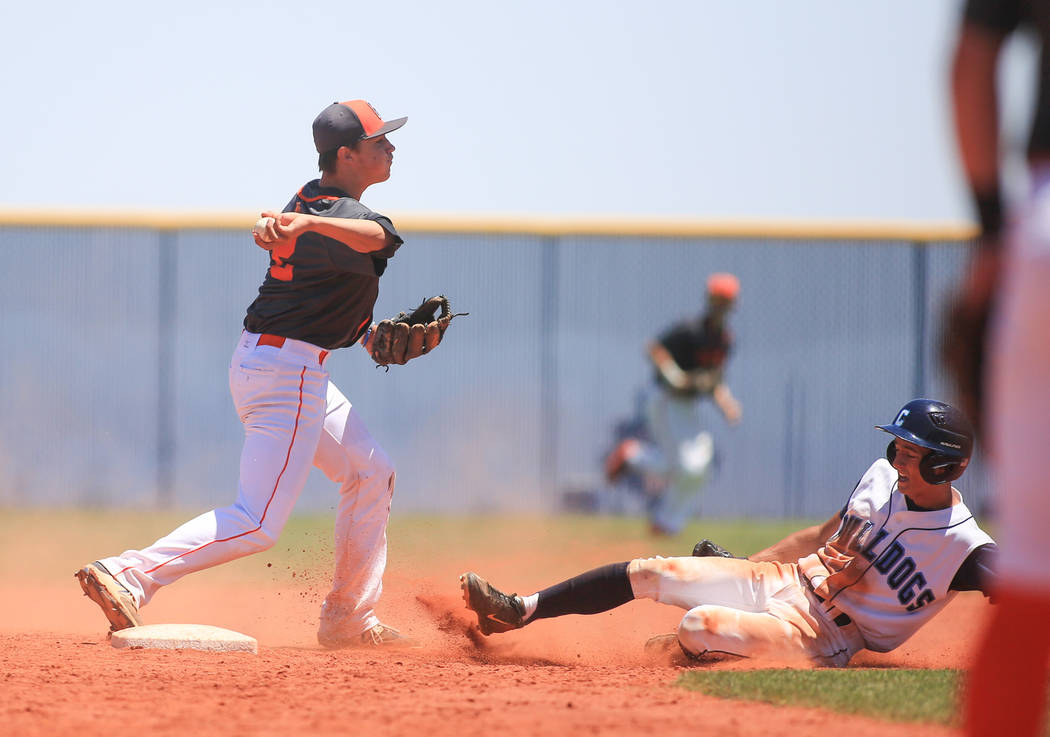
(346, 123)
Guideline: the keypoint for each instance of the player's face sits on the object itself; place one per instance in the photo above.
(911, 483)
(373, 158)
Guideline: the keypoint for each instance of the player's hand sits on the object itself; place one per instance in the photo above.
(841, 555)
(703, 381)
(291, 225)
(732, 411)
(851, 537)
(265, 232)
(280, 228)
(845, 577)
(674, 376)
(727, 403)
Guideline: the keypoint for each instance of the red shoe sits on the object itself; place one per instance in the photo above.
(618, 460)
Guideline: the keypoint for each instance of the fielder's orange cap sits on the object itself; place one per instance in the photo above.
(346, 123)
(723, 285)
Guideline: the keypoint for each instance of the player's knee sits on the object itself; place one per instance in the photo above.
(262, 539)
(347, 470)
(696, 620)
(373, 484)
(249, 531)
(699, 630)
(383, 467)
(379, 477)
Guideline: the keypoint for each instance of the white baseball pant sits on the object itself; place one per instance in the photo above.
(293, 417)
(681, 454)
(745, 608)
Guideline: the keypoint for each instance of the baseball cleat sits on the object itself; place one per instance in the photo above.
(383, 635)
(496, 611)
(618, 460)
(377, 636)
(662, 644)
(710, 549)
(112, 597)
(669, 646)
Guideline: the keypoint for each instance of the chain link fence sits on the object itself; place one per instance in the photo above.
(113, 384)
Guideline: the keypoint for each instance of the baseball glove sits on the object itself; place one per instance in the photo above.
(410, 334)
(708, 549)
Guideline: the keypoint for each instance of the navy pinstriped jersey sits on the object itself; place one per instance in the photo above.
(911, 563)
(317, 289)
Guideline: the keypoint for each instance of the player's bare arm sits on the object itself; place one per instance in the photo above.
(667, 366)
(976, 112)
(974, 98)
(363, 236)
(727, 403)
(798, 544)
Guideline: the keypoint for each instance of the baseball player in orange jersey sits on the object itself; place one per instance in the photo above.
(869, 577)
(689, 361)
(1006, 689)
(327, 252)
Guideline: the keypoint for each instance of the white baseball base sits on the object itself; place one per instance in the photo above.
(184, 637)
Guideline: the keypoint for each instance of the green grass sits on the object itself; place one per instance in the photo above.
(890, 694)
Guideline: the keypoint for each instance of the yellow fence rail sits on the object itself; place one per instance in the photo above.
(641, 227)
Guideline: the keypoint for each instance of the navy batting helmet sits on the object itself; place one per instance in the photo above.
(942, 429)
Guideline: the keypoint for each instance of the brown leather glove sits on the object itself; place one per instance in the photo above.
(411, 334)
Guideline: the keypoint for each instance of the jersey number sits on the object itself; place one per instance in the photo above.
(280, 269)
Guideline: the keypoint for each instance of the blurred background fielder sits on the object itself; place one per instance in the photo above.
(675, 453)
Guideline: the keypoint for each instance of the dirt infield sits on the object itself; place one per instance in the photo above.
(575, 675)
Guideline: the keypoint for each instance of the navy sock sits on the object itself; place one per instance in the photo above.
(597, 590)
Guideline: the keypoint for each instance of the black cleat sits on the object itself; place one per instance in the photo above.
(708, 549)
(496, 611)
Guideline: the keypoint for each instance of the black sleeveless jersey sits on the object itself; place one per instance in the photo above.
(317, 289)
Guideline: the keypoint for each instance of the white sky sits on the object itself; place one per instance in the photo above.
(694, 108)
